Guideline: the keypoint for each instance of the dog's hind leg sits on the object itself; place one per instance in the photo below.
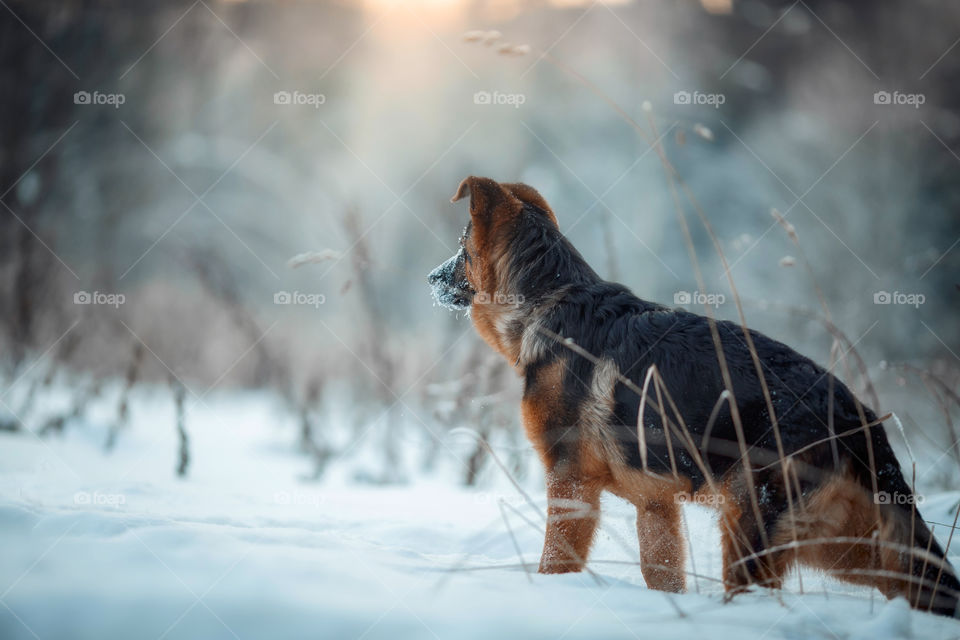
(747, 557)
(659, 528)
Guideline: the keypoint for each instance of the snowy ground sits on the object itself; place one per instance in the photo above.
(113, 546)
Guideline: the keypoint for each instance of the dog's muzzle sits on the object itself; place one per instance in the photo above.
(449, 284)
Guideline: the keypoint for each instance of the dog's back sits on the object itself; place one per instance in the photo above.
(659, 405)
(834, 492)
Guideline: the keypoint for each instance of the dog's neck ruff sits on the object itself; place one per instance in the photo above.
(522, 331)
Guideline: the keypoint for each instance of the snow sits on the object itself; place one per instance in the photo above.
(113, 545)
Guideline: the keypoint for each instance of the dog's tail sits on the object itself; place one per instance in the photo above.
(911, 563)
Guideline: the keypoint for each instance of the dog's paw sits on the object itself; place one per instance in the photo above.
(558, 566)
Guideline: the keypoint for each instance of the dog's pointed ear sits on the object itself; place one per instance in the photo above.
(529, 195)
(486, 196)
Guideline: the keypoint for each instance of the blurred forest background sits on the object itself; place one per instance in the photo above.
(185, 184)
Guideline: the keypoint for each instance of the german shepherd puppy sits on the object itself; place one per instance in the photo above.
(815, 483)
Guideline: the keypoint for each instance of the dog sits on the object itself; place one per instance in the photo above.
(659, 406)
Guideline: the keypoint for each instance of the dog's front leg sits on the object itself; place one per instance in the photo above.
(573, 511)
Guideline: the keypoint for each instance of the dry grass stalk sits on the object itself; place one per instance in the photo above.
(513, 538)
(946, 554)
(313, 257)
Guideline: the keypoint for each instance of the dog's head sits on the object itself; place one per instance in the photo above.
(478, 271)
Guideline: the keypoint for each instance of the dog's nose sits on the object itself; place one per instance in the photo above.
(443, 273)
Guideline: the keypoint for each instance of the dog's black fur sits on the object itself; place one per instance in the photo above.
(606, 320)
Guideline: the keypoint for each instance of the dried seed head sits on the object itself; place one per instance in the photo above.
(313, 257)
(507, 49)
(740, 242)
(789, 228)
(490, 37)
(787, 261)
(703, 132)
(474, 36)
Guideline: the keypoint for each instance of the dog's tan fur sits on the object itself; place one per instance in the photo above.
(837, 527)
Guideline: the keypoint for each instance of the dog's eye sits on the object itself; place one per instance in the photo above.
(463, 250)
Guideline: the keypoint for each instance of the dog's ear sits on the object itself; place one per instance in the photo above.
(529, 195)
(487, 197)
